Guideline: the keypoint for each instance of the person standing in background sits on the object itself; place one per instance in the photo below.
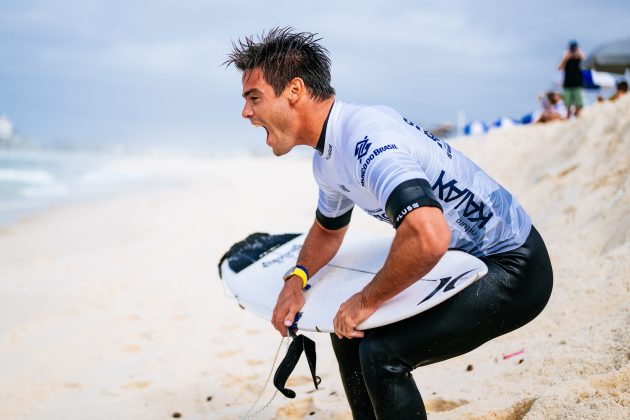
(572, 83)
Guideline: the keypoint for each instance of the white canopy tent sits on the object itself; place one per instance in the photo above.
(612, 57)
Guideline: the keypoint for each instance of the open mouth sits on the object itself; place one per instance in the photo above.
(266, 131)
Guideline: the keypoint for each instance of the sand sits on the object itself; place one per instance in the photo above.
(113, 308)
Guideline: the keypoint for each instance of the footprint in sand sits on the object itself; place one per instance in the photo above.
(517, 410)
(146, 335)
(440, 404)
(255, 362)
(227, 353)
(131, 348)
(137, 385)
(299, 380)
(228, 327)
(296, 410)
(248, 384)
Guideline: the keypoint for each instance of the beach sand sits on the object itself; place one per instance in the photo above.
(114, 309)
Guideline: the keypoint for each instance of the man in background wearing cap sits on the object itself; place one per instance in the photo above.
(572, 83)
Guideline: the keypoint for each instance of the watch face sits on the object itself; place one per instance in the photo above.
(288, 273)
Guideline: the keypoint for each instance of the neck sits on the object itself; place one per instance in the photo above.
(314, 116)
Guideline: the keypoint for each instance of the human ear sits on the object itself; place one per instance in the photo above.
(296, 89)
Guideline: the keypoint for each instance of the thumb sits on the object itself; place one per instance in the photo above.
(288, 321)
(290, 318)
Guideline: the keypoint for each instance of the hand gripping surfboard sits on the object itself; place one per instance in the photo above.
(252, 270)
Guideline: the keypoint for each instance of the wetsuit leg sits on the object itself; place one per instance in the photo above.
(515, 290)
(347, 353)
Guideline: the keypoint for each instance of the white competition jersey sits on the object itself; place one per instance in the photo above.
(370, 150)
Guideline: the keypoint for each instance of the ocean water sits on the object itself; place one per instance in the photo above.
(34, 180)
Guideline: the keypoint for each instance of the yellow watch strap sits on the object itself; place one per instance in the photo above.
(301, 274)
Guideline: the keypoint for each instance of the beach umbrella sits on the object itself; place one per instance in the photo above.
(503, 122)
(592, 79)
(475, 127)
(530, 118)
(612, 57)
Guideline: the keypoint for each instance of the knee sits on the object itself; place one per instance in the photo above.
(375, 355)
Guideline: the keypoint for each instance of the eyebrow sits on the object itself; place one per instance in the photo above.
(250, 91)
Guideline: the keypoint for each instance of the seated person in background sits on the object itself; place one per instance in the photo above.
(553, 108)
(622, 90)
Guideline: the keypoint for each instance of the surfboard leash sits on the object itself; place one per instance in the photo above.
(249, 414)
(300, 344)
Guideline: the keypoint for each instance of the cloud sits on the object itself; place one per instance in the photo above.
(104, 69)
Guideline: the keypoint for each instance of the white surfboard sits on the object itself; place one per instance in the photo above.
(252, 275)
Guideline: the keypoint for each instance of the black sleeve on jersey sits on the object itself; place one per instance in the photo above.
(334, 223)
(409, 195)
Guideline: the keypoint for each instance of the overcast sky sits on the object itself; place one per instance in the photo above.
(149, 72)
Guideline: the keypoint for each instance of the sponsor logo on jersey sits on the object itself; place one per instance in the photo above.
(473, 210)
(371, 157)
(362, 148)
(379, 214)
(329, 154)
(344, 188)
(443, 145)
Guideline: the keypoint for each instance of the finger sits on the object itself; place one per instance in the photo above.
(277, 322)
(348, 329)
(276, 319)
(344, 330)
(280, 329)
(290, 318)
(336, 326)
(350, 332)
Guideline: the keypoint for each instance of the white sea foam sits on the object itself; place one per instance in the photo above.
(27, 176)
(36, 178)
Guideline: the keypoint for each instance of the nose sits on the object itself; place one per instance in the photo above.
(247, 111)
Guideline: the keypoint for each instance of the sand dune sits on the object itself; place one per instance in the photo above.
(573, 178)
(113, 309)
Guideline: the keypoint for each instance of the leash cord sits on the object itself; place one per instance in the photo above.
(250, 413)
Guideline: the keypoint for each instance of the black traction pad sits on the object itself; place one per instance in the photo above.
(246, 252)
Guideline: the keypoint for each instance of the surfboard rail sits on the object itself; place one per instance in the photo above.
(254, 278)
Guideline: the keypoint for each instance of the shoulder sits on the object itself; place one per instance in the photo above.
(362, 126)
(371, 118)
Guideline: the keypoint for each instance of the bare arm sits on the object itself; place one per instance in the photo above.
(420, 241)
(320, 246)
(565, 57)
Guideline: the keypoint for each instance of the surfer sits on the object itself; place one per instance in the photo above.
(399, 173)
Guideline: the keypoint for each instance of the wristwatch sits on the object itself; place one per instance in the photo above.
(301, 272)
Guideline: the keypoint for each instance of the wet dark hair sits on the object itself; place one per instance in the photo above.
(283, 54)
(622, 86)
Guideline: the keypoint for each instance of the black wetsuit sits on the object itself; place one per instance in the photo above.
(387, 165)
(515, 290)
